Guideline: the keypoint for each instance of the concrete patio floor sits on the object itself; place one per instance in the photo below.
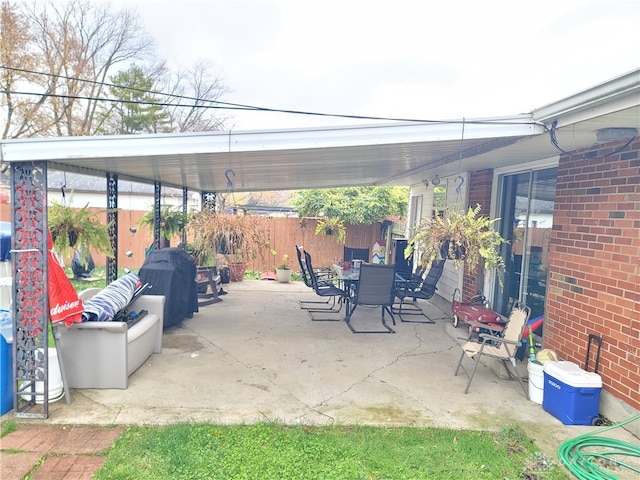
(256, 356)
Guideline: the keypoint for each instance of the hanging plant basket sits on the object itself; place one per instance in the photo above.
(79, 229)
(332, 227)
(469, 237)
(235, 240)
(452, 250)
(172, 222)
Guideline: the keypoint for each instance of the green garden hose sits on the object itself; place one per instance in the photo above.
(602, 452)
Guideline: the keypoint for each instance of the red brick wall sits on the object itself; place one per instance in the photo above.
(480, 184)
(594, 264)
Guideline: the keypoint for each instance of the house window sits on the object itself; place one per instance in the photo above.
(527, 201)
(439, 201)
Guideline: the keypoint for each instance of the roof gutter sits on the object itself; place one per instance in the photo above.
(619, 93)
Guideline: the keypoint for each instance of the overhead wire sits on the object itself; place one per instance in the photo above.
(239, 107)
(229, 172)
(554, 141)
(552, 136)
(217, 104)
(220, 105)
(460, 177)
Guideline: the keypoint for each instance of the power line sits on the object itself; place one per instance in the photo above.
(107, 84)
(225, 105)
(116, 100)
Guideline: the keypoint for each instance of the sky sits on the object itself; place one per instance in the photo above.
(425, 59)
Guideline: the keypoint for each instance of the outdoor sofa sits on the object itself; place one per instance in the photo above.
(105, 354)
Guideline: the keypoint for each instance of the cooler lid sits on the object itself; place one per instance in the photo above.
(571, 374)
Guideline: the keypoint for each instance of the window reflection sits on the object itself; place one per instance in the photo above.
(439, 201)
(527, 202)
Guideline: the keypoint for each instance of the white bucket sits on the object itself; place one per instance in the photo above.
(536, 381)
(56, 387)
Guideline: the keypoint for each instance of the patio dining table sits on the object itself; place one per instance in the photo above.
(348, 277)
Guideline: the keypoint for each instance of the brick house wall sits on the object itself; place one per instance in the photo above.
(594, 264)
(480, 185)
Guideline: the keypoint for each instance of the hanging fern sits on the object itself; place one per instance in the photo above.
(172, 220)
(457, 236)
(79, 229)
(332, 226)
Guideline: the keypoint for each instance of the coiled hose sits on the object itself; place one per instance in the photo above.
(603, 452)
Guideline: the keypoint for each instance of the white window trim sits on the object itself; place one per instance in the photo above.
(551, 162)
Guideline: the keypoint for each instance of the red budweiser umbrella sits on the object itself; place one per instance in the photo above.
(64, 303)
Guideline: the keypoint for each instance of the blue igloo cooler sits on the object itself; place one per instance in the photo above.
(571, 394)
(6, 362)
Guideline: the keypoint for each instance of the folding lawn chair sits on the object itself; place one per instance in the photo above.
(502, 343)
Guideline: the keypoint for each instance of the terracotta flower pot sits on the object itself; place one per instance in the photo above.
(237, 271)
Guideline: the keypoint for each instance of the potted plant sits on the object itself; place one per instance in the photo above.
(234, 240)
(468, 237)
(79, 229)
(332, 226)
(172, 222)
(283, 271)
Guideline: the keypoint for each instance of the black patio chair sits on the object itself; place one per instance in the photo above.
(324, 288)
(376, 288)
(351, 254)
(417, 288)
(325, 305)
(207, 282)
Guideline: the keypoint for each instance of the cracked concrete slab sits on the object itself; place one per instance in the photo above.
(256, 356)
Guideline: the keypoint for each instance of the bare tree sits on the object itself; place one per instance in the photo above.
(200, 88)
(15, 57)
(80, 44)
(58, 58)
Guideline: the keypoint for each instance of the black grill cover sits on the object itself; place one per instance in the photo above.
(171, 272)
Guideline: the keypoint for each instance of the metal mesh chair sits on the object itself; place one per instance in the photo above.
(351, 254)
(376, 288)
(324, 288)
(417, 288)
(323, 305)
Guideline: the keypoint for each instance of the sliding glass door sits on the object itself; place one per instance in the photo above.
(526, 209)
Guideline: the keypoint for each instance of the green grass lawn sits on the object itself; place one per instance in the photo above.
(273, 451)
(99, 273)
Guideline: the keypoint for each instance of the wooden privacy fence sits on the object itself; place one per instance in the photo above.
(285, 233)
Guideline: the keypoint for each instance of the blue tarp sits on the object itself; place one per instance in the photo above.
(5, 241)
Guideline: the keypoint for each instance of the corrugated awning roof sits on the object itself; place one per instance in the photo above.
(389, 154)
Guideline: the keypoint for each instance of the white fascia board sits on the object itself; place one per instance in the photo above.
(131, 146)
(616, 94)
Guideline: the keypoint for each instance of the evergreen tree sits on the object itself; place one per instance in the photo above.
(137, 111)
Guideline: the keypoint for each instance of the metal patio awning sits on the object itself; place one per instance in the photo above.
(383, 154)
